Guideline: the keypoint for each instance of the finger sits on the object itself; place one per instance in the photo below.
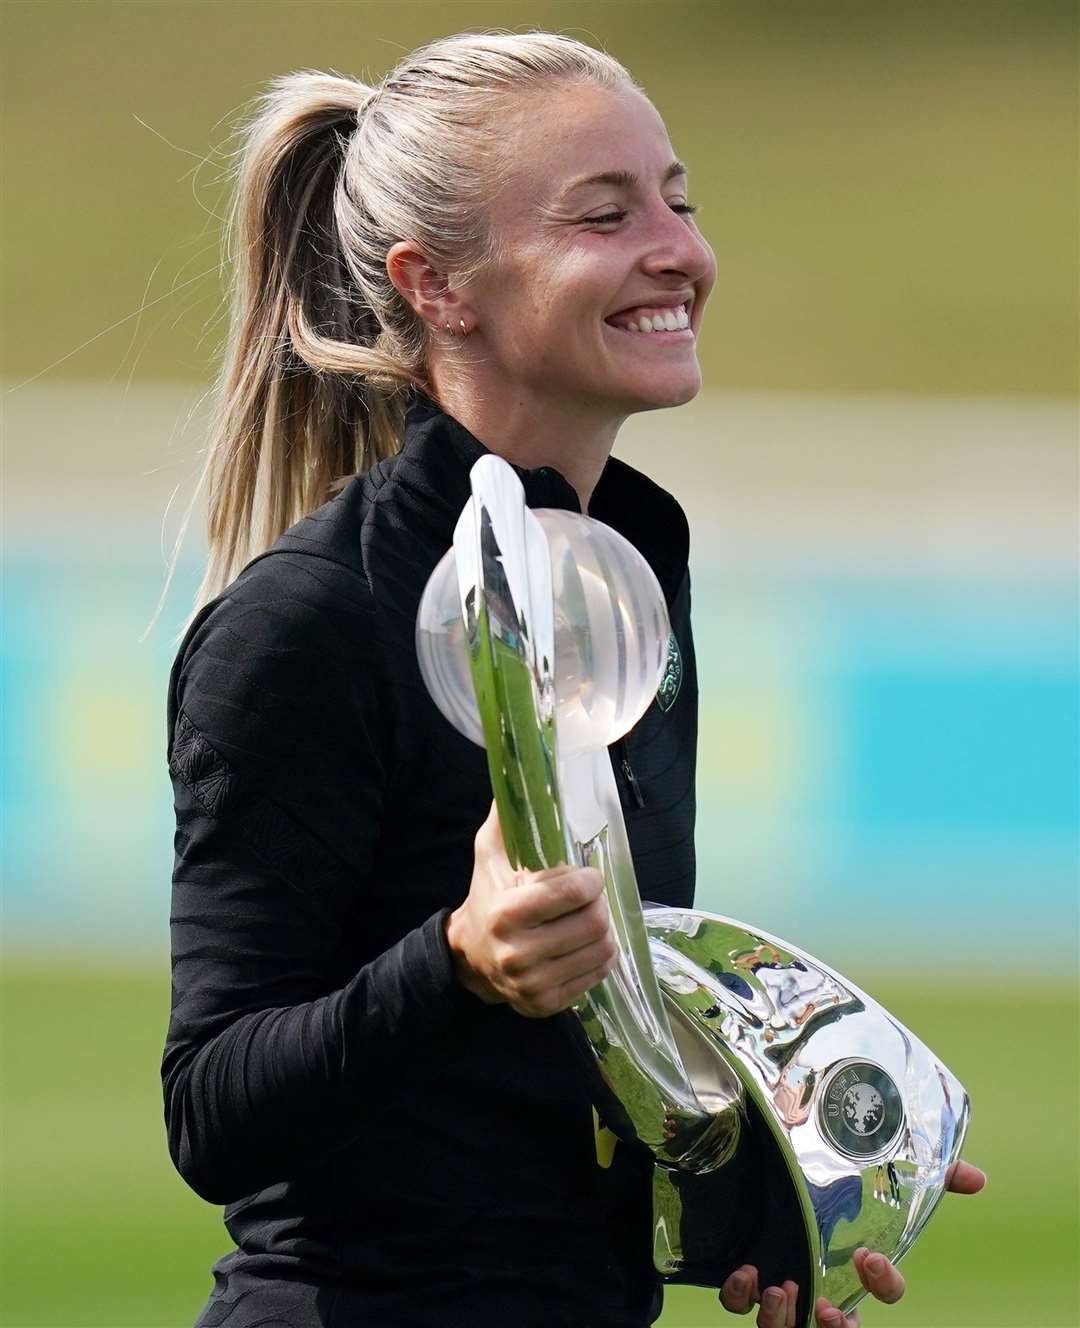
(826, 1315)
(571, 990)
(878, 1275)
(739, 1292)
(551, 974)
(490, 835)
(562, 891)
(522, 950)
(963, 1178)
(773, 1312)
(556, 999)
(584, 926)
(791, 1295)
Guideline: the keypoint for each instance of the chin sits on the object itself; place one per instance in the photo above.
(660, 395)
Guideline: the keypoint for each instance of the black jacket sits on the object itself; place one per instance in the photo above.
(389, 1149)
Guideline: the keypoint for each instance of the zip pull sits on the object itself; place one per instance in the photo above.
(630, 777)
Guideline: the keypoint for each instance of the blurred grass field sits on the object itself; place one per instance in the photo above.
(100, 1232)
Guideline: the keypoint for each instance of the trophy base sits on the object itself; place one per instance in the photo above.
(848, 1124)
(746, 1212)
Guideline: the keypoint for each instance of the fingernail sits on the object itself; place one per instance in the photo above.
(739, 1282)
(876, 1263)
(772, 1299)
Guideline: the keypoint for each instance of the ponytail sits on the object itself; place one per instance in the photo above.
(306, 396)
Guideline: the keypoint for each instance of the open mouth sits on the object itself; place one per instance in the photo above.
(667, 323)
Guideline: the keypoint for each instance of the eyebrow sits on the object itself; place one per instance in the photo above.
(623, 179)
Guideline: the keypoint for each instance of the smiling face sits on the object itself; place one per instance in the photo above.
(586, 266)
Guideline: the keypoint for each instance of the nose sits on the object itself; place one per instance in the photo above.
(678, 249)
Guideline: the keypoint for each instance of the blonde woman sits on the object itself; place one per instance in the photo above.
(366, 1064)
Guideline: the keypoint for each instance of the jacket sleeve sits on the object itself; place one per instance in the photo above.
(274, 1049)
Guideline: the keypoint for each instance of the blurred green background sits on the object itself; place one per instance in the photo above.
(889, 188)
(881, 480)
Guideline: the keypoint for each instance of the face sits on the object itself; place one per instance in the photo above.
(588, 265)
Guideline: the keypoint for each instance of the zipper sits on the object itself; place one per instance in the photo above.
(628, 773)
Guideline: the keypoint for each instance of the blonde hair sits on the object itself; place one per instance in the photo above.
(322, 349)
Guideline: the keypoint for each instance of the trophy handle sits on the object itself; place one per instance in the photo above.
(554, 812)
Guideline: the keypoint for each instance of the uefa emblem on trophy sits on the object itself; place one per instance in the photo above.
(735, 1058)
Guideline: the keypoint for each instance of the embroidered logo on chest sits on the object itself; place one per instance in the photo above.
(672, 679)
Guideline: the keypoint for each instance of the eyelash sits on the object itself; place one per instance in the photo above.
(684, 209)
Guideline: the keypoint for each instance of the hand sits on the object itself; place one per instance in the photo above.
(740, 1292)
(535, 940)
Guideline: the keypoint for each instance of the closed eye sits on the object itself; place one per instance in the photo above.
(684, 209)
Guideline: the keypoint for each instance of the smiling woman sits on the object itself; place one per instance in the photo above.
(367, 1060)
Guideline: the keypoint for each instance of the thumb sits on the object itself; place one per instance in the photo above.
(493, 827)
(489, 840)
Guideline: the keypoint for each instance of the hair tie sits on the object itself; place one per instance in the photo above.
(362, 109)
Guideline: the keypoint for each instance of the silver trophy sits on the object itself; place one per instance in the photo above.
(749, 1069)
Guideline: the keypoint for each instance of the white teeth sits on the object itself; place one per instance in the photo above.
(671, 320)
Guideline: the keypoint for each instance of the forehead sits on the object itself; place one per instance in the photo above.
(563, 136)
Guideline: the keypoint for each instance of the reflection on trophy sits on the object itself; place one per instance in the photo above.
(744, 1065)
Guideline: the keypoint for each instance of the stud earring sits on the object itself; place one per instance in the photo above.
(464, 329)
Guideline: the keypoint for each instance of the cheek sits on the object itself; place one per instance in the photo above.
(546, 304)
(523, 294)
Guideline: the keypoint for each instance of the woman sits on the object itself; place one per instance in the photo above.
(366, 1061)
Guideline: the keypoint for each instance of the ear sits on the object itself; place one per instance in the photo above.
(428, 291)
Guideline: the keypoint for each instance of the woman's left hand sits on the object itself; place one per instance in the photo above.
(740, 1293)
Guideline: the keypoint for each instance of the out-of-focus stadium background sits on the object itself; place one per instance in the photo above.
(881, 479)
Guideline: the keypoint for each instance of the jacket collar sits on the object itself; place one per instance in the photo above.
(438, 452)
(450, 451)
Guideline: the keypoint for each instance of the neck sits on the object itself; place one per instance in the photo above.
(573, 438)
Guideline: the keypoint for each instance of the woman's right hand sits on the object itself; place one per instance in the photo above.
(535, 940)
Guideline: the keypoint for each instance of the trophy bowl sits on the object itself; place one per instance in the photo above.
(851, 1119)
(759, 1080)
